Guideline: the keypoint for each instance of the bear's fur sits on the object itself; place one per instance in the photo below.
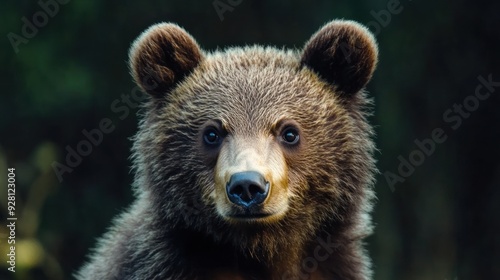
(298, 118)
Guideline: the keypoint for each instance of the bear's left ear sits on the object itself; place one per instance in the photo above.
(344, 53)
(162, 56)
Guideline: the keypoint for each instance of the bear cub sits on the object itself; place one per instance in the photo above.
(251, 162)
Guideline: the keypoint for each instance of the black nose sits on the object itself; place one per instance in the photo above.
(247, 188)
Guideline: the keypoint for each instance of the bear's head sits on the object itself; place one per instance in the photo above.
(256, 146)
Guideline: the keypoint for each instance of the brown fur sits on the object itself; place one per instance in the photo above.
(162, 56)
(180, 226)
(344, 54)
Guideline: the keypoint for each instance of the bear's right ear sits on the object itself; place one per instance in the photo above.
(162, 56)
(343, 53)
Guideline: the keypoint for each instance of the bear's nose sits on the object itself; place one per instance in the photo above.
(247, 188)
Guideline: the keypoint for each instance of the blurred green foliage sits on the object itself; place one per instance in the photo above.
(440, 223)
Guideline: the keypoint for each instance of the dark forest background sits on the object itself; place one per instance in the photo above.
(436, 219)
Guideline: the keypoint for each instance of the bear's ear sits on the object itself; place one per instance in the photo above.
(162, 56)
(344, 53)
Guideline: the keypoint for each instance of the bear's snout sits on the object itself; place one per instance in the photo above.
(247, 188)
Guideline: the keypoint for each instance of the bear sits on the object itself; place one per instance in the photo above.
(250, 162)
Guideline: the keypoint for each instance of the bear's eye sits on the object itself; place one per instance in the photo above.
(211, 137)
(290, 136)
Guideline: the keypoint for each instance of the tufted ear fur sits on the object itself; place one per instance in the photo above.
(344, 53)
(162, 56)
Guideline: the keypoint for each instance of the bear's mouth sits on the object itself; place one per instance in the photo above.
(250, 216)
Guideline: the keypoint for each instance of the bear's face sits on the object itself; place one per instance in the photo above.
(254, 133)
(254, 137)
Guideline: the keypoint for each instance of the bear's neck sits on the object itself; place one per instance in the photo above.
(221, 260)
